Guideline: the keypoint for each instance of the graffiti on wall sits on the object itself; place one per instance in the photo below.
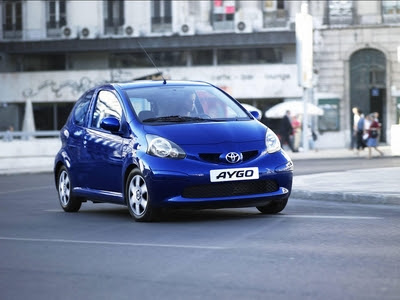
(57, 89)
(77, 87)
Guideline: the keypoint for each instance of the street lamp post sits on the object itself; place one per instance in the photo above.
(398, 54)
(304, 57)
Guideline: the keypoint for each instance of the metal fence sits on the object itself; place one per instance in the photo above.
(24, 135)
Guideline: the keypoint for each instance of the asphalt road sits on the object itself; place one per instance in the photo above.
(313, 250)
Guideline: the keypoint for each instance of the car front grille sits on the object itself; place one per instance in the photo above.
(216, 157)
(210, 157)
(227, 189)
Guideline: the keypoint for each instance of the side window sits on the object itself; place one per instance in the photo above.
(107, 105)
(81, 108)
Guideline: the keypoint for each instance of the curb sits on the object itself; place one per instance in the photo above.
(348, 197)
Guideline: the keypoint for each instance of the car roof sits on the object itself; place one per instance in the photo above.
(155, 83)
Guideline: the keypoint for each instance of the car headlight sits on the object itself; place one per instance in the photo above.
(272, 142)
(161, 147)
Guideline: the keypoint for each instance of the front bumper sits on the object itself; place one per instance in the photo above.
(178, 183)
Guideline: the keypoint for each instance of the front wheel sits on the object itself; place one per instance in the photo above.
(137, 197)
(68, 201)
(274, 207)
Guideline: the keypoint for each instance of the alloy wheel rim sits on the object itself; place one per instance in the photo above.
(64, 188)
(138, 195)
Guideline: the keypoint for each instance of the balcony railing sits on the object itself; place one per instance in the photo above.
(12, 31)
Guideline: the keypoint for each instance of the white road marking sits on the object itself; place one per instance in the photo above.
(110, 243)
(27, 189)
(330, 217)
(106, 243)
(292, 216)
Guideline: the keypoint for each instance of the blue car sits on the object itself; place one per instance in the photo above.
(154, 145)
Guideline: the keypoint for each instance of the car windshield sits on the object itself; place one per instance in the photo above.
(175, 104)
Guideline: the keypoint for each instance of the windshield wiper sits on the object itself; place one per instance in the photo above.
(177, 119)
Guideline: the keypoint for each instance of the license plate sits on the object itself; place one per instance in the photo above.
(234, 174)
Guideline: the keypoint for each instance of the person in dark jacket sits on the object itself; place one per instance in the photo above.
(360, 132)
(286, 131)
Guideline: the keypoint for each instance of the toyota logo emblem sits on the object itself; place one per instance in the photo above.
(233, 157)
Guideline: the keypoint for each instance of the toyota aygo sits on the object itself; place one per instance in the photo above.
(152, 145)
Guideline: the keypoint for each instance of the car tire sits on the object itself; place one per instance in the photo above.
(137, 198)
(274, 207)
(68, 201)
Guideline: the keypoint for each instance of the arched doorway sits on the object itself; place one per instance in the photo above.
(368, 84)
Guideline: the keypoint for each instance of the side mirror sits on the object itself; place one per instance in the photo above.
(110, 124)
(256, 114)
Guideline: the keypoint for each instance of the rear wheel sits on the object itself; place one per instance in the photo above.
(137, 197)
(68, 201)
(274, 207)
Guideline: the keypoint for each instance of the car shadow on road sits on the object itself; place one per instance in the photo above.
(207, 215)
(176, 215)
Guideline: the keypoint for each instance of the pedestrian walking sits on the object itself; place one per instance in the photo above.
(376, 118)
(356, 118)
(360, 132)
(373, 134)
(312, 138)
(286, 131)
(296, 124)
(8, 137)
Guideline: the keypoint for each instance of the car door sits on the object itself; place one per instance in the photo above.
(75, 132)
(103, 149)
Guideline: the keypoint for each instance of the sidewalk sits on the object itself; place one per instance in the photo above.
(350, 186)
(28, 156)
(354, 186)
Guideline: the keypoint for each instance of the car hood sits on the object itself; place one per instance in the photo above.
(210, 132)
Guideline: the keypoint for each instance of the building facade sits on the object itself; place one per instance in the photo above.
(52, 51)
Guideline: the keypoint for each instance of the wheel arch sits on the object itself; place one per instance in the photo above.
(128, 170)
(57, 168)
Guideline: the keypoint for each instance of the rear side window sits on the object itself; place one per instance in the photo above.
(81, 108)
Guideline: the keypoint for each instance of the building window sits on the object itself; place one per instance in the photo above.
(329, 121)
(12, 19)
(202, 57)
(377, 77)
(340, 12)
(170, 58)
(140, 59)
(273, 5)
(56, 17)
(45, 62)
(391, 11)
(114, 20)
(129, 60)
(398, 110)
(249, 56)
(51, 116)
(223, 14)
(161, 16)
(11, 116)
(274, 13)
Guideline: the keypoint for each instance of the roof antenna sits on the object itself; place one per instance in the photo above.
(164, 81)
